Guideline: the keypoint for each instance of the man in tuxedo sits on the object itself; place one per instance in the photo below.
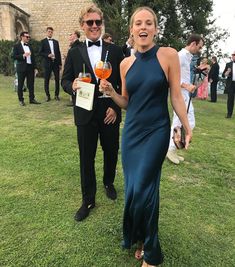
(229, 72)
(213, 78)
(107, 37)
(74, 39)
(50, 51)
(104, 119)
(128, 48)
(25, 67)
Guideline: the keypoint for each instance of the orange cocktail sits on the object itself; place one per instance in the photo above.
(103, 69)
(103, 73)
(84, 77)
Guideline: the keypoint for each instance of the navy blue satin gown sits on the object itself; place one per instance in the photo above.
(145, 140)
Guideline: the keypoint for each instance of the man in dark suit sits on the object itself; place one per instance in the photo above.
(229, 72)
(74, 39)
(128, 48)
(25, 67)
(213, 78)
(50, 51)
(104, 119)
(73, 42)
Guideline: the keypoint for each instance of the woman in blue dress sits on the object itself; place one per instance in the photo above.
(146, 77)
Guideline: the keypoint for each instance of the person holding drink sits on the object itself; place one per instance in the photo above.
(24, 57)
(50, 52)
(146, 77)
(104, 119)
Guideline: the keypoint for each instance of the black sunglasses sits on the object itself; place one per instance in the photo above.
(27, 36)
(90, 23)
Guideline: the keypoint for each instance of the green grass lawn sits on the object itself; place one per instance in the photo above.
(40, 192)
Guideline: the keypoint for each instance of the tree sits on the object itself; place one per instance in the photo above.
(115, 18)
(177, 19)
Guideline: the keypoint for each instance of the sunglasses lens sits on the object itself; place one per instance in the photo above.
(98, 22)
(91, 22)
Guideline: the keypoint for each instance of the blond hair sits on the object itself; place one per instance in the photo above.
(150, 10)
(89, 9)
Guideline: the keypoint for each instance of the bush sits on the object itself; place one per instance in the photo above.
(6, 62)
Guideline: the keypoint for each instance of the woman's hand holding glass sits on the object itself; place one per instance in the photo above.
(106, 87)
(103, 70)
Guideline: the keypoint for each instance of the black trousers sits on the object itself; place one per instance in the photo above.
(87, 136)
(52, 67)
(214, 91)
(29, 75)
(230, 100)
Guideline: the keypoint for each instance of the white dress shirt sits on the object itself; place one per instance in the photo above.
(94, 52)
(51, 46)
(27, 50)
(185, 58)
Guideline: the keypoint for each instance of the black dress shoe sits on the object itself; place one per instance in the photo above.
(48, 99)
(228, 116)
(111, 191)
(34, 102)
(83, 212)
(22, 103)
(57, 98)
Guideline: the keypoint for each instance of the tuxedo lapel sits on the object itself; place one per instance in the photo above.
(21, 48)
(48, 45)
(84, 53)
(105, 47)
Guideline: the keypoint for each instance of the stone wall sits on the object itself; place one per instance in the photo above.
(62, 15)
(12, 21)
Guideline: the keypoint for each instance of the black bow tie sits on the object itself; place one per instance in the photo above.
(49, 39)
(97, 43)
(26, 44)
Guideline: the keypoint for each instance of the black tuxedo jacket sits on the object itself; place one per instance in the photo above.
(214, 72)
(76, 58)
(229, 78)
(21, 63)
(45, 51)
(76, 43)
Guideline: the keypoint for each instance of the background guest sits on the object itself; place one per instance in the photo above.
(74, 39)
(128, 48)
(229, 72)
(194, 45)
(50, 51)
(213, 78)
(204, 67)
(107, 37)
(23, 55)
(73, 42)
